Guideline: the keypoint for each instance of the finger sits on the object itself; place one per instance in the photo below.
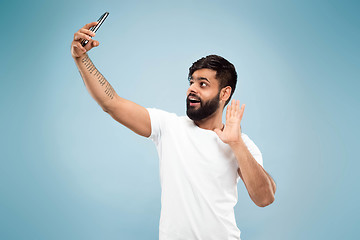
(238, 110)
(228, 112)
(88, 32)
(90, 25)
(242, 111)
(95, 43)
(229, 109)
(233, 109)
(78, 36)
(217, 131)
(237, 106)
(80, 47)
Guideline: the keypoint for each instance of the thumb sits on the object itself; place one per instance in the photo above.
(95, 43)
(217, 131)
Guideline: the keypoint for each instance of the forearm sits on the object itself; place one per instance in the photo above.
(259, 184)
(98, 87)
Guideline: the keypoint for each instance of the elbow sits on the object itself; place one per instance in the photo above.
(110, 105)
(266, 201)
(269, 197)
(105, 109)
(266, 197)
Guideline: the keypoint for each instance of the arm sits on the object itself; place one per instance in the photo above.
(128, 113)
(258, 182)
(260, 186)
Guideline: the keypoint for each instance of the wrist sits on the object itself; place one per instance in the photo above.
(236, 144)
(79, 56)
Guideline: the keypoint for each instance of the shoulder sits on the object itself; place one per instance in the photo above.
(164, 122)
(155, 112)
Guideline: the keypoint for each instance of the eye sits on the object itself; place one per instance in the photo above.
(203, 84)
(191, 82)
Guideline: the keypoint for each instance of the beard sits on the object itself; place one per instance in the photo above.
(205, 110)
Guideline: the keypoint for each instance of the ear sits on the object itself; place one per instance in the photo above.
(225, 93)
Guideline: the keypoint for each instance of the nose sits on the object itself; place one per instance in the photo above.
(192, 89)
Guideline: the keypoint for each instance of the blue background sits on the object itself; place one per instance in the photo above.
(69, 171)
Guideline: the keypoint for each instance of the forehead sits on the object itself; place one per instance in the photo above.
(208, 74)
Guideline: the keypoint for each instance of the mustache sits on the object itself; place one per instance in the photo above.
(194, 96)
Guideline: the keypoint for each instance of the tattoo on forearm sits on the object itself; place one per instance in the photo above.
(101, 79)
(109, 90)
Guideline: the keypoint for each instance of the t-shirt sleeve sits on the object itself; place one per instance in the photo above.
(158, 119)
(253, 149)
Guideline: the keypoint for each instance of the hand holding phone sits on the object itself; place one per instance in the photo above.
(79, 44)
(96, 27)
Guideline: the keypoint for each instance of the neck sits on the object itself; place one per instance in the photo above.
(211, 122)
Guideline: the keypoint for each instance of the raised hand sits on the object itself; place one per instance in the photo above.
(231, 133)
(77, 50)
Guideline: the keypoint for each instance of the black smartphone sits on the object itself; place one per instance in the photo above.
(96, 27)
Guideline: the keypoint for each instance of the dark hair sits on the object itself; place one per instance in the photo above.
(225, 71)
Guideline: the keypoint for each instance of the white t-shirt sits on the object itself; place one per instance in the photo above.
(198, 176)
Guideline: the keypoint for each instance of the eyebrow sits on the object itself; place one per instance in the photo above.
(199, 78)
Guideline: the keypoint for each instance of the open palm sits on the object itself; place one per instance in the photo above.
(231, 133)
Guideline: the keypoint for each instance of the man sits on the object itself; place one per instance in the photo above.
(201, 159)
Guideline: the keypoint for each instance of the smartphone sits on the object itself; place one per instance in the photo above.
(96, 27)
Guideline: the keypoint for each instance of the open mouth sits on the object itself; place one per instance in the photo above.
(193, 100)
